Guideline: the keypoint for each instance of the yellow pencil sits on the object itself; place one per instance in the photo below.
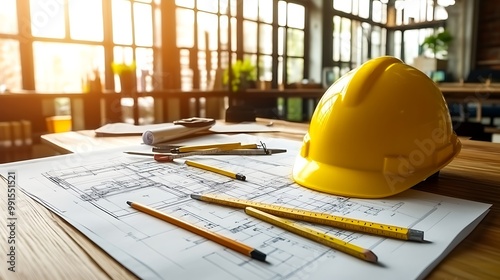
(221, 146)
(222, 240)
(314, 235)
(318, 217)
(237, 176)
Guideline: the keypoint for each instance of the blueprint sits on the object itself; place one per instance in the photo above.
(90, 191)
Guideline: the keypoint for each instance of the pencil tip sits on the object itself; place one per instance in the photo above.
(129, 203)
(240, 177)
(196, 196)
(258, 255)
(370, 256)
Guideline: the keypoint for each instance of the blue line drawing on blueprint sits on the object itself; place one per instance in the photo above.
(167, 186)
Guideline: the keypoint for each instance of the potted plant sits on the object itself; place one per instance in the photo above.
(433, 53)
(126, 73)
(438, 44)
(243, 75)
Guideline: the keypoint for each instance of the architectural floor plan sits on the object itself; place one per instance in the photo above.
(91, 190)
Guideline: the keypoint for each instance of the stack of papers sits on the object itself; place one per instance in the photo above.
(90, 191)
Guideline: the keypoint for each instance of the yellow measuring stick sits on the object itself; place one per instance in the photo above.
(222, 146)
(318, 218)
(314, 235)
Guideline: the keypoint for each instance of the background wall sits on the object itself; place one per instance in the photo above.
(488, 35)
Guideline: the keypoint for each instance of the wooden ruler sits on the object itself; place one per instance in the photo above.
(318, 218)
(314, 235)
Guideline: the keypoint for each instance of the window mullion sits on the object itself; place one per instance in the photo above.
(67, 33)
(25, 45)
(108, 44)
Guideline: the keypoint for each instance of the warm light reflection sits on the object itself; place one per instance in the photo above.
(47, 18)
(8, 20)
(85, 18)
(63, 67)
(122, 22)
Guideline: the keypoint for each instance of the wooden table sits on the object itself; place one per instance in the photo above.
(50, 248)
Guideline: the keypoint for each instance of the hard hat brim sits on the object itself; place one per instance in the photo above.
(359, 183)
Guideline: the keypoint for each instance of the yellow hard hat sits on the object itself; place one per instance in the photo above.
(377, 131)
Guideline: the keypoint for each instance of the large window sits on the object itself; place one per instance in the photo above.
(358, 34)
(57, 46)
(414, 20)
(364, 29)
(211, 34)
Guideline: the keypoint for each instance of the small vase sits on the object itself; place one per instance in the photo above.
(127, 82)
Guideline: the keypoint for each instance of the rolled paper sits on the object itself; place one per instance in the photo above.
(170, 132)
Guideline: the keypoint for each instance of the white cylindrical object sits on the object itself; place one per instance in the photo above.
(151, 137)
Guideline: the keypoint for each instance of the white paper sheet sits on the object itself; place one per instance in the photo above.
(90, 190)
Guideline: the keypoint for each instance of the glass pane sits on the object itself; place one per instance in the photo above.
(250, 36)
(360, 43)
(265, 68)
(10, 65)
(202, 70)
(8, 17)
(364, 8)
(186, 72)
(296, 14)
(281, 40)
(223, 31)
(411, 12)
(223, 7)
(122, 22)
(233, 7)
(157, 26)
(336, 38)
(411, 45)
(207, 31)
(63, 67)
(342, 5)
(185, 3)
(143, 24)
(80, 27)
(185, 28)
(250, 9)
(282, 13)
(345, 39)
(280, 71)
(144, 62)
(47, 18)
(266, 11)
(355, 8)
(376, 37)
(440, 13)
(234, 36)
(377, 11)
(295, 42)
(397, 43)
(295, 70)
(266, 39)
(122, 55)
(430, 11)
(423, 10)
(208, 5)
